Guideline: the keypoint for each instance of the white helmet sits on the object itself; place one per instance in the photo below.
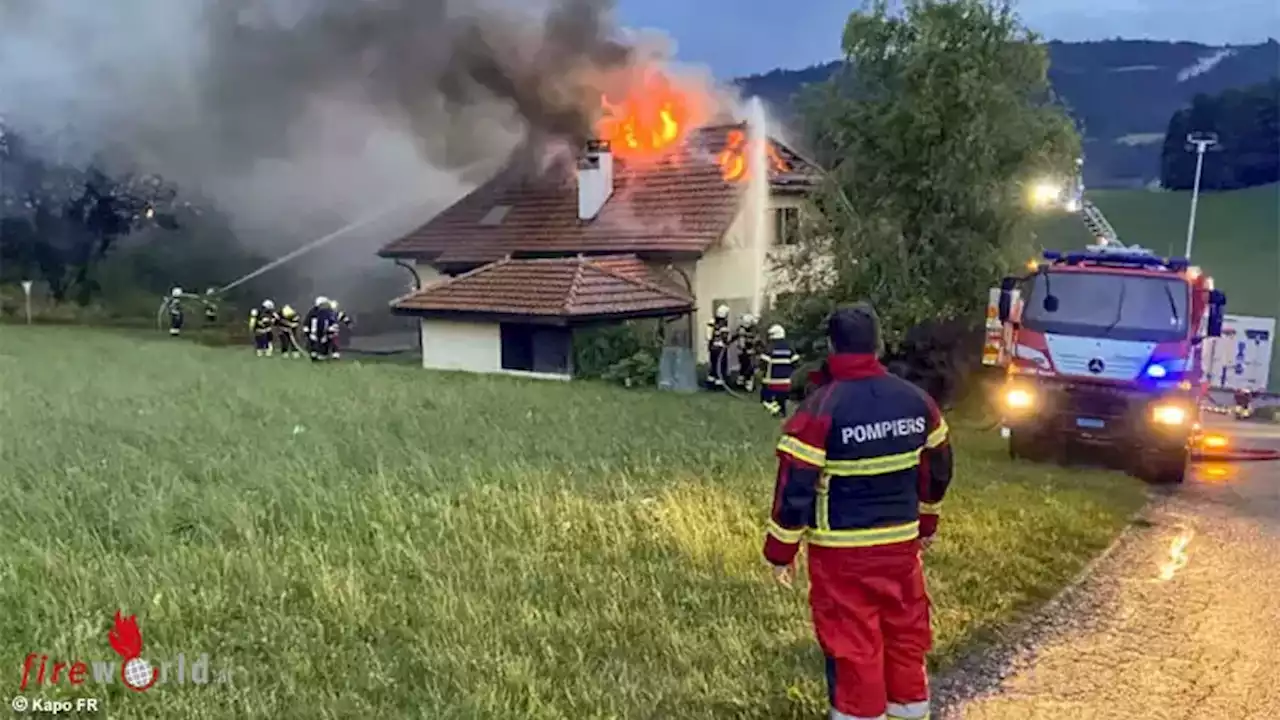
(722, 312)
(321, 300)
(268, 305)
(777, 332)
(749, 320)
(176, 292)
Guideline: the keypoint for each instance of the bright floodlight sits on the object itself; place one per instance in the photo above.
(1045, 193)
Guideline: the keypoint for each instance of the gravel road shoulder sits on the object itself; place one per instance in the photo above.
(1179, 620)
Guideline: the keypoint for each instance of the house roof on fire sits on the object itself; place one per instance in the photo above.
(557, 290)
(680, 204)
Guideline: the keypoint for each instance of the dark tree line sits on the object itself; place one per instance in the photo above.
(59, 221)
(1247, 122)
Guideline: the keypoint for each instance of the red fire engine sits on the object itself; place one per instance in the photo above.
(1104, 351)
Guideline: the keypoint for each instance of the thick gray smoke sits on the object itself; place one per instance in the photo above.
(296, 116)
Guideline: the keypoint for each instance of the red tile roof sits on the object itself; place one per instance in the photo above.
(566, 288)
(681, 204)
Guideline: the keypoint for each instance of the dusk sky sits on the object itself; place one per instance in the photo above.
(737, 37)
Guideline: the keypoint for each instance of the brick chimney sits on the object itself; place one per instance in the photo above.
(595, 179)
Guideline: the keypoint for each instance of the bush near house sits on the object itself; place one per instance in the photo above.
(377, 541)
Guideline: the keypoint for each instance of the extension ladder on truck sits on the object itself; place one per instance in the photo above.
(1097, 224)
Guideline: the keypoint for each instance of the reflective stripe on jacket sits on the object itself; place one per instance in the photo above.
(718, 333)
(261, 321)
(779, 365)
(864, 462)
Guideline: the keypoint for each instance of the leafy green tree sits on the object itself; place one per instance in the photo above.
(57, 222)
(932, 131)
(1247, 122)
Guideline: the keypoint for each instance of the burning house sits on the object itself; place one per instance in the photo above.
(655, 222)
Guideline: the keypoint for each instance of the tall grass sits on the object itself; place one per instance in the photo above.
(380, 541)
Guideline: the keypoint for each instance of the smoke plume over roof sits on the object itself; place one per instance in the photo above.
(297, 115)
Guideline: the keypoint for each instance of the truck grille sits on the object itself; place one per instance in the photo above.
(1092, 402)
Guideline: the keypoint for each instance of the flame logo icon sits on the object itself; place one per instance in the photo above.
(125, 638)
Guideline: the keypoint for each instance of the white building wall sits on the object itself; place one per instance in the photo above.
(726, 272)
(427, 274)
(453, 345)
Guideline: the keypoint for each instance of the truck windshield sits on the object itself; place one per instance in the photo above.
(1108, 305)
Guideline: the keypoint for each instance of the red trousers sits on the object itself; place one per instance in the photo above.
(871, 615)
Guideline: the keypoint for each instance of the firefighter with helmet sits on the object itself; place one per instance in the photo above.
(1242, 409)
(262, 323)
(863, 466)
(287, 324)
(718, 339)
(173, 304)
(341, 320)
(748, 341)
(321, 325)
(211, 306)
(779, 362)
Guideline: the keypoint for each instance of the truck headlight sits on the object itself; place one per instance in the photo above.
(1019, 399)
(1165, 414)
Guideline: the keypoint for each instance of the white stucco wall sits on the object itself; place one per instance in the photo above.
(451, 345)
(726, 273)
(427, 274)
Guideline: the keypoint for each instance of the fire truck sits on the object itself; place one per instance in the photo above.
(1102, 351)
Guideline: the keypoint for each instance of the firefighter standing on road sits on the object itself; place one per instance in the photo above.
(287, 324)
(718, 338)
(862, 469)
(262, 322)
(779, 362)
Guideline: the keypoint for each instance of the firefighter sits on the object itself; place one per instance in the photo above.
(718, 338)
(173, 304)
(863, 466)
(262, 322)
(341, 321)
(1243, 398)
(748, 341)
(320, 326)
(287, 323)
(779, 362)
(211, 306)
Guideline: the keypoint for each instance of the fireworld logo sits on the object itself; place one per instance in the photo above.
(135, 673)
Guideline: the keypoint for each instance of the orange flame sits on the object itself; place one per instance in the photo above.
(125, 638)
(650, 121)
(733, 159)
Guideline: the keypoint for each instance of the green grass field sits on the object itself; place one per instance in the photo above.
(1237, 240)
(380, 541)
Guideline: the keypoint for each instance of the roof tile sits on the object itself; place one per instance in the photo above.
(575, 287)
(679, 204)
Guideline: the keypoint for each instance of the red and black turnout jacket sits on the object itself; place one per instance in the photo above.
(864, 462)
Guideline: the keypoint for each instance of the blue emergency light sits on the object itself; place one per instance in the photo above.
(1156, 372)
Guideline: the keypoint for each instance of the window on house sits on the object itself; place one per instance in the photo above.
(495, 215)
(533, 348)
(786, 225)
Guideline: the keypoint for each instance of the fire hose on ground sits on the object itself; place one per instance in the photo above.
(1214, 447)
(721, 371)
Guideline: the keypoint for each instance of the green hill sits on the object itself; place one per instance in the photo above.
(1237, 240)
(1122, 93)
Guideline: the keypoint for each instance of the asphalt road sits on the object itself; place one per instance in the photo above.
(1180, 620)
